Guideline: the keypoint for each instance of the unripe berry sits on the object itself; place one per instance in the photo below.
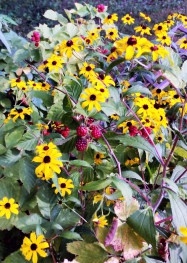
(81, 144)
(82, 131)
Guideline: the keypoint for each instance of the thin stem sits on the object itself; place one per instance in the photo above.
(52, 254)
(136, 117)
(65, 171)
(164, 220)
(113, 155)
(181, 175)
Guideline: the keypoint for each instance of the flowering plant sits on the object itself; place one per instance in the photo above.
(93, 140)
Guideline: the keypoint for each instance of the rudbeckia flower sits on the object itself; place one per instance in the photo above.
(164, 39)
(34, 246)
(160, 28)
(143, 29)
(110, 19)
(54, 63)
(146, 17)
(93, 35)
(182, 42)
(17, 83)
(19, 113)
(92, 99)
(127, 19)
(65, 186)
(8, 206)
(46, 148)
(87, 70)
(68, 46)
(98, 158)
(101, 221)
(112, 33)
(183, 230)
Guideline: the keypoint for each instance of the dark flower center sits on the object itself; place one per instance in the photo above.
(164, 37)
(23, 88)
(45, 62)
(185, 42)
(156, 106)
(34, 85)
(69, 43)
(159, 27)
(88, 68)
(132, 41)
(154, 48)
(93, 97)
(54, 63)
(127, 18)
(19, 110)
(47, 159)
(43, 84)
(7, 205)
(88, 41)
(158, 91)
(144, 27)
(161, 118)
(113, 49)
(45, 148)
(63, 185)
(129, 124)
(159, 138)
(97, 156)
(109, 16)
(33, 247)
(18, 80)
(101, 76)
(176, 96)
(102, 90)
(93, 34)
(111, 33)
(145, 107)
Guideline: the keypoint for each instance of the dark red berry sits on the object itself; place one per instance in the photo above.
(81, 144)
(64, 133)
(96, 133)
(82, 131)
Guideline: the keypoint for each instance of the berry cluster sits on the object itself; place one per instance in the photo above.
(35, 38)
(60, 128)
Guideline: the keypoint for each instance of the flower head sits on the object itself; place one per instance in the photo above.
(143, 29)
(110, 19)
(19, 113)
(101, 221)
(92, 99)
(65, 186)
(112, 33)
(182, 43)
(144, 16)
(34, 246)
(7, 207)
(127, 19)
(98, 158)
(54, 63)
(68, 46)
(87, 70)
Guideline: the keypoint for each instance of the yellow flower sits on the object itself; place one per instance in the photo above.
(43, 66)
(88, 41)
(102, 80)
(112, 33)
(145, 107)
(16, 113)
(164, 39)
(114, 116)
(7, 207)
(97, 198)
(34, 246)
(33, 85)
(158, 51)
(93, 35)
(126, 125)
(146, 17)
(54, 63)
(68, 46)
(110, 19)
(98, 158)
(182, 43)
(160, 28)
(183, 230)
(143, 29)
(46, 148)
(17, 83)
(92, 99)
(65, 186)
(104, 91)
(169, 23)
(171, 16)
(87, 70)
(101, 221)
(49, 163)
(127, 19)
(160, 138)
(132, 161)
(42, 126)
(44, 86)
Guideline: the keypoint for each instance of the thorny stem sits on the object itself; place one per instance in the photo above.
(113, 155)
(136, 117)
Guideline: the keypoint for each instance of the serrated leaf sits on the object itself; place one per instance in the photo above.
(29, 223)
(179, 211)
(67, 218)
(29, 141)
(56, 111)
(72, 30)
(80, 163)
(74, 90)
(124, 188)
(10, 157)
(142, 222)
(123, 211)
(71, 235)
(27, 173)
(97, 185)
(87, 252)
(67, 105)
(44, 96)
(2, 149)
(46, 199)
(68, 145)
(16, 257)
(12, 138)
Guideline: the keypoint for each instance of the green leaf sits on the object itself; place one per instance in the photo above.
(50, 14)
(12, 138)
(172, 185)
(72, 30)
(55, 113)
(142, 222)
(179, 211)
(137, 88)
(67, 105)
(113, 64)
(140, 143)
(80, 163)
(44, 96)
(181, 152)
(97, 185)
(68, 145)
(29, 223)
(46, 199)
(114, 94)
(10, 157)
(71, 235)
(184, 71)
(29, 141)
(151, 260)
(74, 90)
(5, 42)
(67, 218)
(27, 173)
(2, 149)
(132, 175)
(15, 257)
(87, 252)
(124, 188)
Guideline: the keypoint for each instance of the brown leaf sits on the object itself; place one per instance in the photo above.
(123, 211)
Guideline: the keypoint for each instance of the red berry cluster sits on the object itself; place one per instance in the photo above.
(35, 38)
(60, 128)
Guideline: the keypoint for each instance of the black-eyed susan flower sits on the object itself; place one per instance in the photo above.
(97, 198)
(160, 138)
(17, 83)
(43, 66)
(19, 113)
(92, 99)
(65, 186)
(49, 163)
(34, 246)
(160, 28)
(172, 16)
(145, 106)
(127, 19)
(102, 79)
(8, 206)
(183, 230)
(126, 125)
(68, 46)
(93, 35)
(110, 19)
(130, 162)
(164, 39)
(182, 43)
(146, 17)
(169, 23)
(42, 126)
(114, 117)
(87, 70)
(46, 148)
(34, 85)
(112, 33)
(143, 29)
(54, 63)
(101, 221)
(44, 86)
(98, 158)
(158, 51)
(104, 91)
(88, 41)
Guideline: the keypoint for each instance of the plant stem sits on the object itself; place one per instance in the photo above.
(181, 175)
(164, 220)
(52, 254)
